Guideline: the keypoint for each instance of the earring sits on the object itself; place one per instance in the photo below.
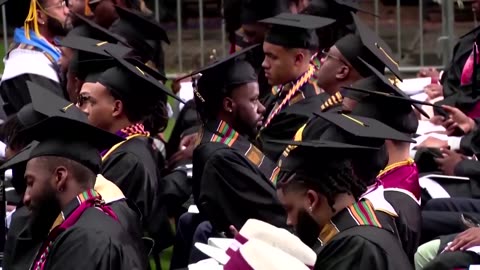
(310, 209)
(230, 110)
(42, 22)
(60, 189)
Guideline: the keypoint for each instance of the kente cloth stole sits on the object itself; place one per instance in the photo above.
(291, 95)
(361, 213)
(223, 133)
(331, 101)
(78, 206)
(127, 133)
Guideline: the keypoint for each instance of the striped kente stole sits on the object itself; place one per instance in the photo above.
(335, 99)
(361, 213)
(221, 132)
(71, 214)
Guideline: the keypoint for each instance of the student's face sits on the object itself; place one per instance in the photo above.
(99, 105)
(278, 64)
(299, 215)
(247, 111)
(105, 13)
(332, 69)
(40, 194)
(56, 12)
(254, 33)
(77, 6)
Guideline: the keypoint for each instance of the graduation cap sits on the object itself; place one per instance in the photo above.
(330, 150)
(366, 44)
(95, 31)
(71, 139)
(254, 10)
(140, 31)
(295, 30)
(381, 84)
(151, 71)
(233, 70)
(91, 58)
(349, 6)
(363, 127)
(131, 83)
(17, 164)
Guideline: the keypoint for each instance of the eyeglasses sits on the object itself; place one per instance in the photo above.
(61, 4)
(326, 54)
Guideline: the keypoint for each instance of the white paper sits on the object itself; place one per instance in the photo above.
(193, 209)
(414, 86)
(221, 243)
(213, 252)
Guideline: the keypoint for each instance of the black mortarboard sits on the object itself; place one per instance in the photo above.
(379, 83)
(95, 31)
(151, 71)
(140, 31)
(71, 139)
(367, 45)
(364, 127)
(233, 70)
(91, 59)
(18, 163)
(295, 30)
(132, 83)
(331, 151)
(254, 10)
(349, 6)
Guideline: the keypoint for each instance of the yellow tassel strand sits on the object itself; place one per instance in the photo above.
(32, 19)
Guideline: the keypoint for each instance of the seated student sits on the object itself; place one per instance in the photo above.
(342, 67)
(231, 113)
(60, 175)
(26, 231)
(33, 55)
(325, 204)
(288, 49)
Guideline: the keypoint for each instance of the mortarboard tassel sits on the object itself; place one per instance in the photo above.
(88, 11)
(32, 19)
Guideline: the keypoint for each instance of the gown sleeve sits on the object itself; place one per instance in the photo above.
(353, 252)
(84, 249)
(232, 191)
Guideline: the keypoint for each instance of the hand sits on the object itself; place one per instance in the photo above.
(449, 161)
(433, 143)
(457, 120)
(429, 72)
(182, 155)
(437, 120)
(433, 90)
(233, 230)
(465, 240)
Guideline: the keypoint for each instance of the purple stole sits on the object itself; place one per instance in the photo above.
(402, 176)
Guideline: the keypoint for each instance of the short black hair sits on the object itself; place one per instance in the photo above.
(134, 111)
(331, 179)
(83, 175)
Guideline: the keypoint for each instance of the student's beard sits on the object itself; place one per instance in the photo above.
(44, 214)
(307, 228)
(56, 28)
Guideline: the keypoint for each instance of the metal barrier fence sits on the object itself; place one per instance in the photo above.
(446, 39)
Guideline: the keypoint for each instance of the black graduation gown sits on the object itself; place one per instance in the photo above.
(95, 241)
(229, 188)
(364, 246)
(25, 235)
(452, 73)
(408, 222)
(133, 168)
(187, 123)
(285, 124)
(14, 91)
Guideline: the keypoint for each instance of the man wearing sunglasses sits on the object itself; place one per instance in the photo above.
(33, 55)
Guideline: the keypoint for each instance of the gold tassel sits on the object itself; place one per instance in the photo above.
(32, 19)
(88, 11)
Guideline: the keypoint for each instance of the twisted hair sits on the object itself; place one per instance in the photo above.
(10, 133)
(157, 121)
(333, 179)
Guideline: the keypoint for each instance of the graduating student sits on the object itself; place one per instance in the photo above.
(118, 100)
(26, 231)
(60, 176)
(287, 49)
(326, 204)
(33, 55)
(232, 114)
